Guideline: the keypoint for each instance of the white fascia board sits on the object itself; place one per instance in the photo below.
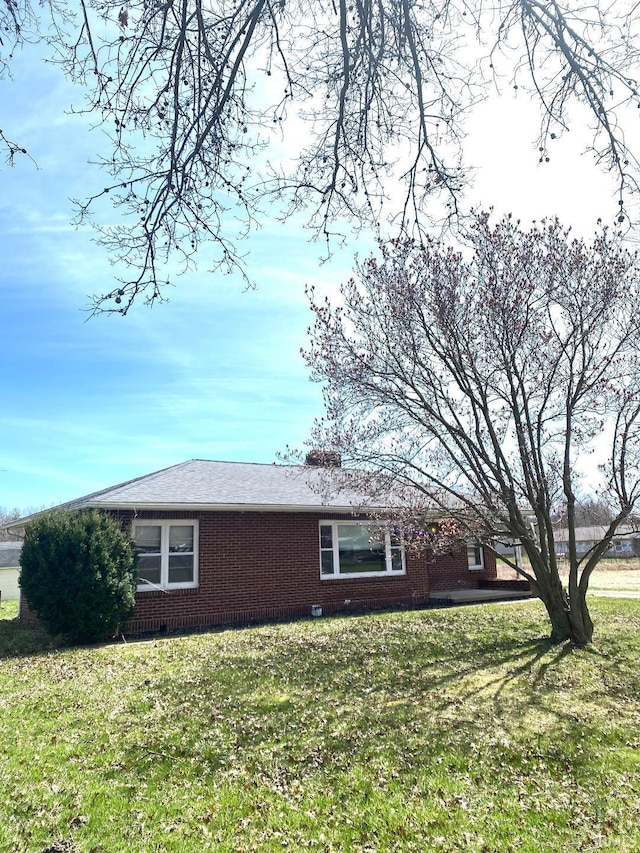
(196, 507)
(173, 507)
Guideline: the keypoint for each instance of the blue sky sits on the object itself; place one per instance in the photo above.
(215, 372)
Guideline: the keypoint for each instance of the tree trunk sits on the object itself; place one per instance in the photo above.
(569, 616)
(582, 626)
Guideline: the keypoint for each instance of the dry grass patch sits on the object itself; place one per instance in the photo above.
(609, 576)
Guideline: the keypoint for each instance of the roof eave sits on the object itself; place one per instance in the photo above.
(172, 506)
(209, 507)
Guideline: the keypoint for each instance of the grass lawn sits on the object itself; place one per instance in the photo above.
(626, 581)
(8, 609)
(442, 730)
(614, 575)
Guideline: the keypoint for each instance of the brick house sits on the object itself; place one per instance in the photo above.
(230, 542)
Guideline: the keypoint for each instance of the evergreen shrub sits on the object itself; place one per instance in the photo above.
(78, 574)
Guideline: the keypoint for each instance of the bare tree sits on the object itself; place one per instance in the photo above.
(6, 516)
(13, 18)
(373, 92)
(20, 24)
(589, 512)
(493, 383)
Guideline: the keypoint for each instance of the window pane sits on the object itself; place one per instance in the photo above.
(474, 555)
(326, 558)
(149, 568)
(181, 538)
(394, 536)
(357, 553)
(146, 538)
(180, 568)
(396, 560)
(326, 536)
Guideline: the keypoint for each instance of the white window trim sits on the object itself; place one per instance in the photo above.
(336, 575)
(165, 524)
(477, 567)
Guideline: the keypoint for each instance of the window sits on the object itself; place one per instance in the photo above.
(167, 554)
(475, 556)
(350, 549)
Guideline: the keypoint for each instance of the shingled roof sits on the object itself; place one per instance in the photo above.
(202, 484)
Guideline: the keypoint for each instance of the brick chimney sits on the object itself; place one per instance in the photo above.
(323, 459)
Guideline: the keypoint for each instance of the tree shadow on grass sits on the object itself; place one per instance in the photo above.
(296, 715)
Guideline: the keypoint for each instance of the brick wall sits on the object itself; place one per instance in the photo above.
(451, 571)
(259, 565)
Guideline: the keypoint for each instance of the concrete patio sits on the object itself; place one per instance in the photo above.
(476, 596)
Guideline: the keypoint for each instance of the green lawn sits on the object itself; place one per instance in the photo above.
(443, 730)
(8, 609)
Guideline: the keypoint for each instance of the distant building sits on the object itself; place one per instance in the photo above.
(626, 542)
(10, 570)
